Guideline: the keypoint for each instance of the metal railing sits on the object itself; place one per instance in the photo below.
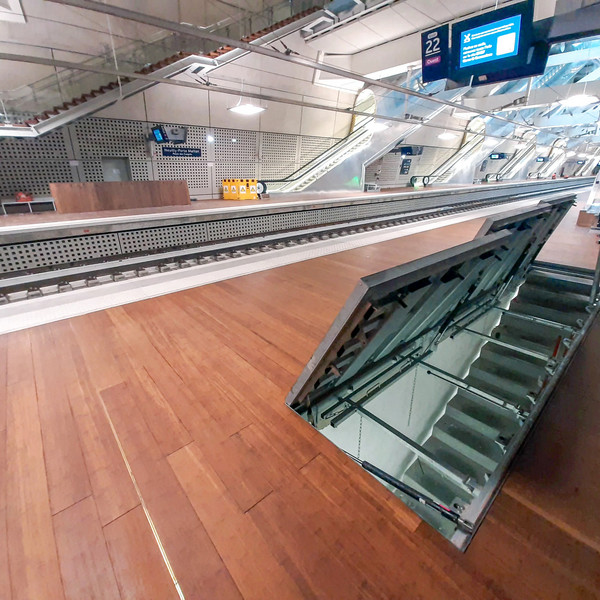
(63, 86)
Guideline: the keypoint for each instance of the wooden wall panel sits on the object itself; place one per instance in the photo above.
(118, 195)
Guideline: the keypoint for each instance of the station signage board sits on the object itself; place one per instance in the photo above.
(182, 152)
(435, 53)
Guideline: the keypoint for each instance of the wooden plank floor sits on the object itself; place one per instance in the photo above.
(149, 445)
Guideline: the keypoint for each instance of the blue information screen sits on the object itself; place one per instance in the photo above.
(492, 41)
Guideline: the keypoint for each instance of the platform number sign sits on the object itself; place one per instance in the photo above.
(435, 53)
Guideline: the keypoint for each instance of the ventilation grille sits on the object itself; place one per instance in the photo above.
(33, 255)
(94, 248)
(177, 236)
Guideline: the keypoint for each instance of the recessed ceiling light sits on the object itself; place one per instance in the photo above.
(247, 109)
(233, 140)
(210, 138)
(578, 100)
(447, 136)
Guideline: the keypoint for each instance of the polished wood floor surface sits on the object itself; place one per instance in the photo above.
(150, 443)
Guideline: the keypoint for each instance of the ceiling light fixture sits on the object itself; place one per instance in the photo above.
(247, 109)
(446, 135)
(578, 101)
(210, 138)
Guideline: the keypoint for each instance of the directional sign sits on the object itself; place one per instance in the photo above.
(435, 53)
(181, 152)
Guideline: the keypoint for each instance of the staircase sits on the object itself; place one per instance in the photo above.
(73, 94)
(473, 434)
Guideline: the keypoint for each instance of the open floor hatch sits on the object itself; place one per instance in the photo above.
(434, 371)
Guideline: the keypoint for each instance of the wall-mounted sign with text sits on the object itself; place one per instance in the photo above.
(181, 152)
(435, 53)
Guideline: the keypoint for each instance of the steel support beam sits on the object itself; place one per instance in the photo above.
(462, 384)
(460, 479)
(537, 320)
(493, 340)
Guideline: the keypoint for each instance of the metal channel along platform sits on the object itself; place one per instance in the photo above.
(37, 259)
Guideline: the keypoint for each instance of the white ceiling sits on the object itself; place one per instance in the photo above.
(403, 18)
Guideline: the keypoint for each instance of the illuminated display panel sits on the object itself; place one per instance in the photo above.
(496, 41)
(493, 41)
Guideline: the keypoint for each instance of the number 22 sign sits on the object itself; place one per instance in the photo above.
(435, 53)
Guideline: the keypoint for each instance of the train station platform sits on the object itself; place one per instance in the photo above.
(132, 435)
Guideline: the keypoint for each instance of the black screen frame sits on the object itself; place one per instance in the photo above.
(526, 40)
(163, 133)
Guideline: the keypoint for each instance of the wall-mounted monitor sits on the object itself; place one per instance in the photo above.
(177, 135)
(495, 41)
(159, 135)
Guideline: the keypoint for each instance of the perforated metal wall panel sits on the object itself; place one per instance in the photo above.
(279, 148)
(277, 170)
(32, 255)
(94, 138)
(49, 147)
(176, 236)
(195, 173)
(233, 228)
(141, 170)
(227, 170)
(243, 149)
(33, 176)
(32, 164)
(311, 147)
(92, 170)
